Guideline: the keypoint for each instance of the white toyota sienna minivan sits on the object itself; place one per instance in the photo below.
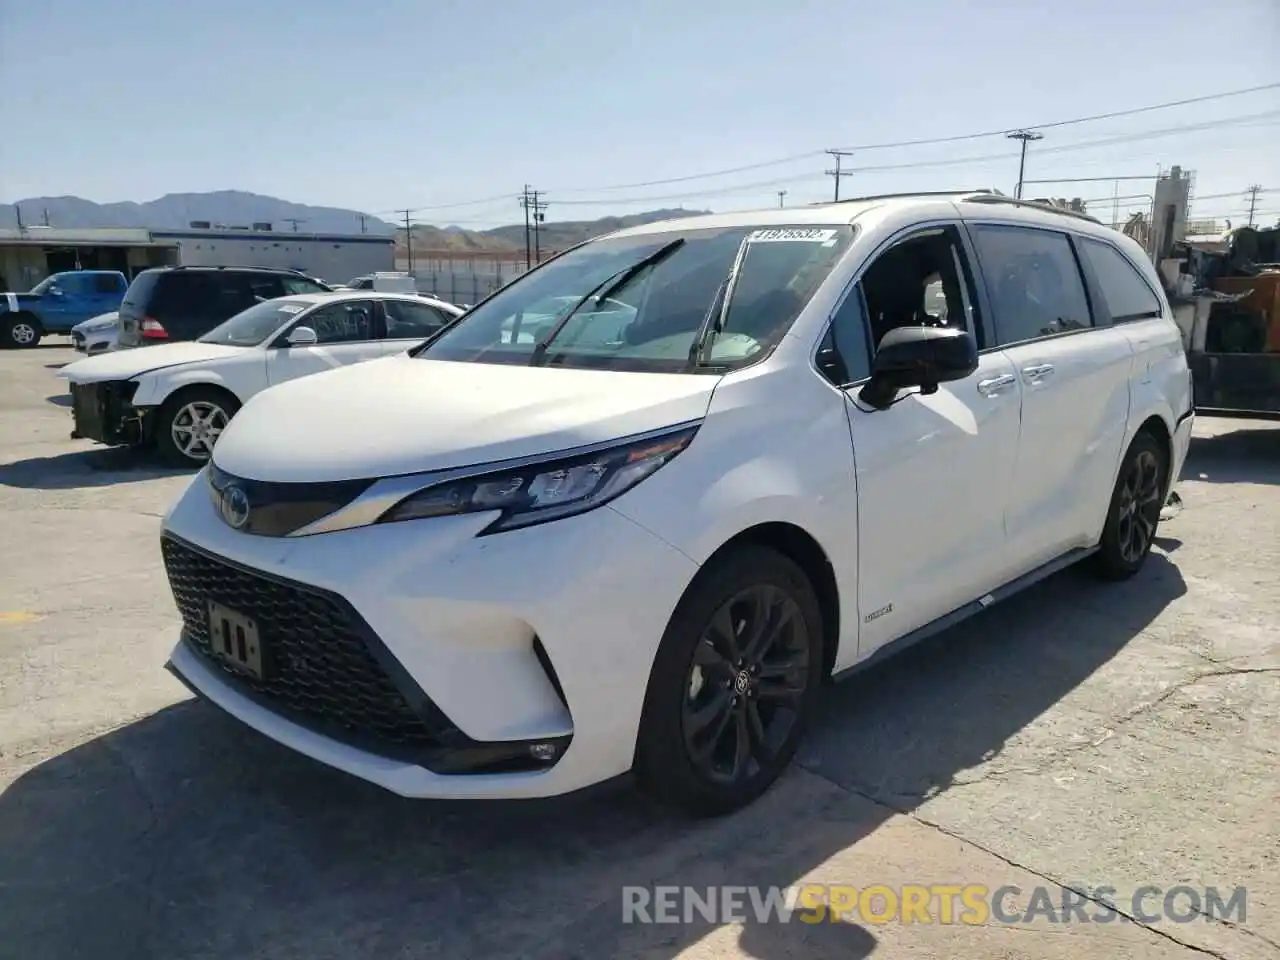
(631, 511)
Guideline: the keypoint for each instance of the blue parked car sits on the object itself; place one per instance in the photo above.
(58, 303)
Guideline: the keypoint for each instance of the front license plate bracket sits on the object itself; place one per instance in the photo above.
(234, 640)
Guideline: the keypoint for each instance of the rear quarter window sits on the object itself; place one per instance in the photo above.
(1125, 292)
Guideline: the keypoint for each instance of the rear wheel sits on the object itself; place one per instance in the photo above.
(189, 424)
(733, 684)
(1135, 508)
(21, 331)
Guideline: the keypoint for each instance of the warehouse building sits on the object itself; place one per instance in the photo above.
(29, 254)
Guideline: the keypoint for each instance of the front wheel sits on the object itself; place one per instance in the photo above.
(189, 424)
(733, 684)
(20, 332)
(1135, 508)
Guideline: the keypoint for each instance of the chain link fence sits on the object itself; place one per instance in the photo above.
(461, 279)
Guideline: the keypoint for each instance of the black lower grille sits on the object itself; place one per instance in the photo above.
(323, 662)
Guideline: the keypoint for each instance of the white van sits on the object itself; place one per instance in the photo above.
(755, 450)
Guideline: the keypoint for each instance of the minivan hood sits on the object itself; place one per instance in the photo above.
(403, 415)
(126, 364)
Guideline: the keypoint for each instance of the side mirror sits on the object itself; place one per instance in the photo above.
(56, 292)
(918, 357)
(302, 337)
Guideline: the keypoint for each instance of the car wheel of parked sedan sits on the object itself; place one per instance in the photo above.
(733, 684)
(1135, 510)
(21, 331)
(190, 423)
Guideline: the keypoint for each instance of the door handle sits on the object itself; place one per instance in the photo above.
(1037, 372)
(996, 384)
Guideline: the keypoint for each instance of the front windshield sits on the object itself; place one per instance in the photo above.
(44, 285)
(655, 316)
(255, 325)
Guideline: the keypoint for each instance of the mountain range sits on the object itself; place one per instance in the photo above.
(176, 211)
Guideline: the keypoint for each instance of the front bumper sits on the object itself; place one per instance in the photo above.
(104, 412)
(461, 652)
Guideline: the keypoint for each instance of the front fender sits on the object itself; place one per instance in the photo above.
(158, 385)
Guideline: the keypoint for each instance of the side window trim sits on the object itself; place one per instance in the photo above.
(853, 287)
(1090, 300)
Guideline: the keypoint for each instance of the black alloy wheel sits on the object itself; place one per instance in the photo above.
(733, 684)
(745, 685)
(1135, 508)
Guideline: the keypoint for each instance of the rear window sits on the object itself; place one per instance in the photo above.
(139, 291)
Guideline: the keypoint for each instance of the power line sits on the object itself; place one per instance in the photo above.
(921, 164)
(861, 148)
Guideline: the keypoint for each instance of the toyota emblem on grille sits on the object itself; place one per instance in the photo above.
(235, 506)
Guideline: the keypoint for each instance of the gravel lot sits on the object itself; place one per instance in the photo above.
(1078, 734)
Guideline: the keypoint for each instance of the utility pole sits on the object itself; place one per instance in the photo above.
(295, 221)
(363, 218)
(1253, 192)
(408, 237)
(782, 194)
(46, 216)
(18, 210)
(1025, 136)
(534, 216)
(837, 172)
(528, 245)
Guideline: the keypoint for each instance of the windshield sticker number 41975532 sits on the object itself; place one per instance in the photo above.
(793, 235)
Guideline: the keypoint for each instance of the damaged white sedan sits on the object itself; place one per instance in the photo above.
(180, 396)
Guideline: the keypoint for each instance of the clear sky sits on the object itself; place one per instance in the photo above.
(432, 104)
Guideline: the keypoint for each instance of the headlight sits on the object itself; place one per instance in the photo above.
(547, 489)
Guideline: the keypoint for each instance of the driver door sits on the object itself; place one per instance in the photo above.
(933, 472)
(345, 334)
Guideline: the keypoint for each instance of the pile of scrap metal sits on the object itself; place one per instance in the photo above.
(1225, 291)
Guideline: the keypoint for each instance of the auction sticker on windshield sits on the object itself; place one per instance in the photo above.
(793, 235)
(291, 308)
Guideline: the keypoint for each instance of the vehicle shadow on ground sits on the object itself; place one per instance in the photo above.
(59, 399)
(87, 468)
(1241, 456)
(185, 834)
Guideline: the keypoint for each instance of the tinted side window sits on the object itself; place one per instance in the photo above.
(1034, 282)
(411, 320)
(1124, 292)
(264, 286)
(348, 322)
(105, 283)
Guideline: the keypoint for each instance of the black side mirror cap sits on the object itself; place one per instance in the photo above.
(918, 357)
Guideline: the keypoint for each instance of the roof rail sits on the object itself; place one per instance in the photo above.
(985, 197)
(236, 266)
(912, 193)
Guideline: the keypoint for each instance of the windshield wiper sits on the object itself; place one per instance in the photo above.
(600, 291)
(713, 322)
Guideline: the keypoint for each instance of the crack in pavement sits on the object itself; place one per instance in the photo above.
(1088, 897)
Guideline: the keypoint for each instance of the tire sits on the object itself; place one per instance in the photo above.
(20, 332)
(1134, 513)
(681, 692)
(216, 406)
